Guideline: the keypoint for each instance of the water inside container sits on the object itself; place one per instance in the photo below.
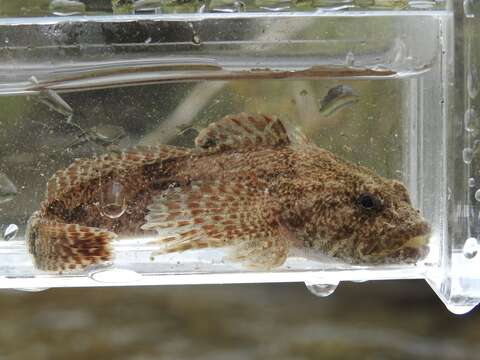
(363, 86)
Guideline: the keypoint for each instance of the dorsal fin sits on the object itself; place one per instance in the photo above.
(243, 130)
(83, 170)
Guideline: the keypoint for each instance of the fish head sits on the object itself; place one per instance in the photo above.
(388, 229)
(362, 218)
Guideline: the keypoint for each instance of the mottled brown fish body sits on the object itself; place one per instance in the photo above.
(82, 205)
(250, 183)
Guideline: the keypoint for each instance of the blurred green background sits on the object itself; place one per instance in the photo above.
(380, 320)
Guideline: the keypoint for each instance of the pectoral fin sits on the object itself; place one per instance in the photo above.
(218, 214)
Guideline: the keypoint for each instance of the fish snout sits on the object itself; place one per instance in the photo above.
(413, 244)
(407, 243)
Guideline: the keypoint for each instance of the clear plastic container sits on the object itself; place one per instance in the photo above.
(207, 132)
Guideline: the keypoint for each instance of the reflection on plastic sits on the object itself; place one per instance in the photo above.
(115, 276)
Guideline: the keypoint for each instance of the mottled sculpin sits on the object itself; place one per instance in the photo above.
(254, 185)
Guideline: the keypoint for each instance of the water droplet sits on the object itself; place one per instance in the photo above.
(322, 290)
(350, 59)
(460, 309)
(471, 182)
(196, 39)
(468, 8)
(477, 195)
(467, 155)
(7, 189)
(112, 201)
(470, 120)
(472, 82)
(10, 232)
(470, 248)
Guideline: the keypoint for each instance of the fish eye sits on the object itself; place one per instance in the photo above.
(369, 202)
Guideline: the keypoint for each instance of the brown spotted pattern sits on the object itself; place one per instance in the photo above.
(247, 186)
(60, 247)
(216, 214)
(243, 130)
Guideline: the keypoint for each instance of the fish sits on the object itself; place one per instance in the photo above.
(254, 185)
(337, 98)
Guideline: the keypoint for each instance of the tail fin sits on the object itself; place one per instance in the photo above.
(65, 247)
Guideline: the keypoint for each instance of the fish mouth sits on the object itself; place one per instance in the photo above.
(413, 250)
(417, 241)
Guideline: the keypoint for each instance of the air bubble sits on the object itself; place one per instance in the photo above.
(322, 290)
(477, 195)
(10, 232)
(470, 248)
(471, 182)
(112, 201)
(470, 120)
(467, 155)
(472, 82)
(196, 39)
